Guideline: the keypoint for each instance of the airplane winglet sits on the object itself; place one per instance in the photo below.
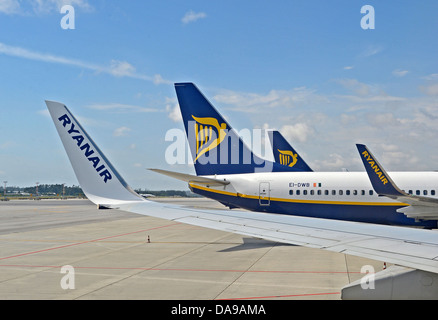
(99, 180)
(381, 181)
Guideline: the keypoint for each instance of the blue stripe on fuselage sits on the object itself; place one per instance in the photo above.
(350, 212)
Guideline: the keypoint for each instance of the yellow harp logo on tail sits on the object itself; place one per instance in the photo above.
(209, 134)
(288, 158)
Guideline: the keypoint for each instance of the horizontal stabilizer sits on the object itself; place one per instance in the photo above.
(192, 179)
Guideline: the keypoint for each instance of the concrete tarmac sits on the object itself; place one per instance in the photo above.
(67, 249)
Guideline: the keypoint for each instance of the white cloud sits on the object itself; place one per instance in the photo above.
(371, 50)
(192, 16)
(381, 97)
(365, 93)
(391, 155)
(44, 113)
(6, 144)
(354, 85)
(327, 126)
(297, 132)
(348, 119)
(158, 79)
(431, 90)
(254, 102)
(116, 68)
(32, 55)
(431, 77)
(9, 6)
(382, 119)
(52, 5)
(400, 73)
(121, 69)
(120, 132)
(173, 110)
(334, 161)
(121, 108)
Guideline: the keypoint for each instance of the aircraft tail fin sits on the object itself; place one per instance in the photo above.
(216, 148)
(285, 154)
(99, 180)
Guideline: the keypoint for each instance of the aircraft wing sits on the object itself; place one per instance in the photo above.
(104, 186)
(414, 248)
(420, 207)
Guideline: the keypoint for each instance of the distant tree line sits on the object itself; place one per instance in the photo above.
(74, 191)
(167, 193)
(45, 189)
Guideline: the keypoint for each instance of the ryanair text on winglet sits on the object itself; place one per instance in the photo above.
(76, 135)
(375, 167)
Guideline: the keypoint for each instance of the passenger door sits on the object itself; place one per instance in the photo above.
(264, 194)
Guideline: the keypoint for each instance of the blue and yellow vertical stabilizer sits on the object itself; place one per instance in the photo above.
(216, 148)
(285, 154)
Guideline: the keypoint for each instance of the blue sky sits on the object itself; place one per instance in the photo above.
(306, 68)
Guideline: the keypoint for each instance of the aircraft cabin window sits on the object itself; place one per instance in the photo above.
(326, 192)
(417, 192)
(333, 192)
(362, 192)
(312, 192)
(304, 192)
(371, 192)
(341, 192)
(291, 192)
(355, 192)
(425, 192)
(298, 192)
(410, 192)
(319, 192)
(432, 192)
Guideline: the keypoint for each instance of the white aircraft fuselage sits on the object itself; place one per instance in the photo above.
(332, 195)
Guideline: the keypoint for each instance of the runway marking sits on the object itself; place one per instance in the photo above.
(83, 242)
(181, 269)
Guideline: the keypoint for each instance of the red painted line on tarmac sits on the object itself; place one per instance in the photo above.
(284, 296)
(186, 270)
(162, 269)
(211, 270)
(83, 242)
